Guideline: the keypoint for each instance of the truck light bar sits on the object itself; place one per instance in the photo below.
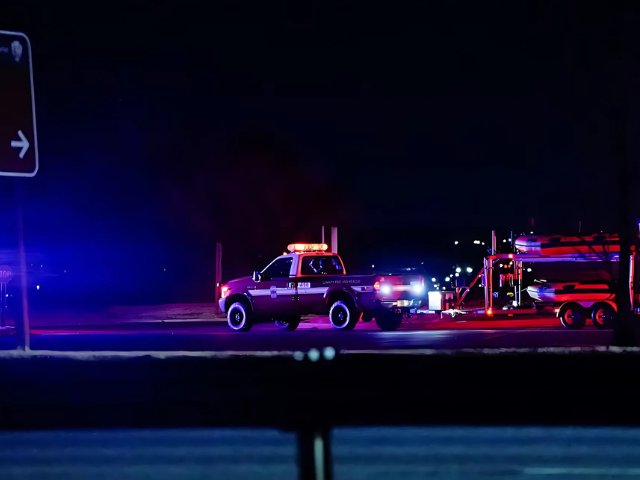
(307, 247)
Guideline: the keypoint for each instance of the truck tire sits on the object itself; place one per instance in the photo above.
(602, 316)
(343, 315)
(287, 323)
(239, 317)
(573, 316)
(388, 321)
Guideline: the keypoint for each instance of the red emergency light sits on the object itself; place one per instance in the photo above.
(307, 247)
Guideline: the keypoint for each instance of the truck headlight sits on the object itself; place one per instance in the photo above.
(417, 288)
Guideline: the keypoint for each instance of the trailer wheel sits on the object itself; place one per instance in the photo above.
(573, 316)
(343, 315)
(287, 323)
(602, 316)
(388, 321)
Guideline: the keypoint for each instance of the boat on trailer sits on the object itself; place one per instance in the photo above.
(557, 293)
(561, 245)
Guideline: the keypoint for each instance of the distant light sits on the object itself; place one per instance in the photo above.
(469, 269)
(458, 270)
(483, 243)
(476, 242)
(435, 285)
(456, 242)
(448, 279)
(433, 279)
(65, 271)
(417, 288)
(421, 263)
(504, 240)
(329, 353)
(7, 295)
(373, 266)
(37, 287)
(385, 289)
(531, 233)
(509, 240)
(528, 269)
(41, 266)
(457, 274)
(313, 354)
(443, 288)
(165, 269)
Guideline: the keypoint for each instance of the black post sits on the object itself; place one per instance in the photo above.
(314, 454)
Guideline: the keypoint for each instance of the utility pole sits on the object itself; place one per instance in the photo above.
(322, 233)
(334, 239)
(622, 107)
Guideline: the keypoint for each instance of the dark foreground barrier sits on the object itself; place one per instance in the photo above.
(313, 397)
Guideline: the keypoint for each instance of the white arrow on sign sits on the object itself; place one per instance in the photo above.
(22, 143)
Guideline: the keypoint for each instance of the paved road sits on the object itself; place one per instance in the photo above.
(314, 333)
(377, 453)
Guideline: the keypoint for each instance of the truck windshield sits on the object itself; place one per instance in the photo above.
(321, 265)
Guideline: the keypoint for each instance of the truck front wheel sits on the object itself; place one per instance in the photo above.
(388, 321)
(239, 317)
(343, 315)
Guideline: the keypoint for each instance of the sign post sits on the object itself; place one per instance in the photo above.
(18, 140)
(6, 274)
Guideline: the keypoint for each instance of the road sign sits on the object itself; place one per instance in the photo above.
(6, 274)
(18, 139)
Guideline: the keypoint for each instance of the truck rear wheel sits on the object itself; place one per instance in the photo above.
(573, 316)
(388, 321)
(287, 323)
(239, 317)
(343, 315)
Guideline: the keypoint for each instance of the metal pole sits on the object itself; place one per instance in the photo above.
(513, 245)
(486, 283)
(323, 234)
(490, 268)
(22, 324)
(518, 281)
(334, 239)
(218, 273)
(314, 454)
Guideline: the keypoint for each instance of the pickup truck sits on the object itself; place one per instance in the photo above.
(310, 280)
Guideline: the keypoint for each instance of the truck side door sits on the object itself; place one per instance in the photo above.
(276, 292)
(312, 286)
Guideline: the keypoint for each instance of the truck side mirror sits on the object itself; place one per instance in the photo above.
(256, 276)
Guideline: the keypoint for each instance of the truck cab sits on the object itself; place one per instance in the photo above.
(311, 280)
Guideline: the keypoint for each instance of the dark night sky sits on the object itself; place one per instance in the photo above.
(165, 129)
